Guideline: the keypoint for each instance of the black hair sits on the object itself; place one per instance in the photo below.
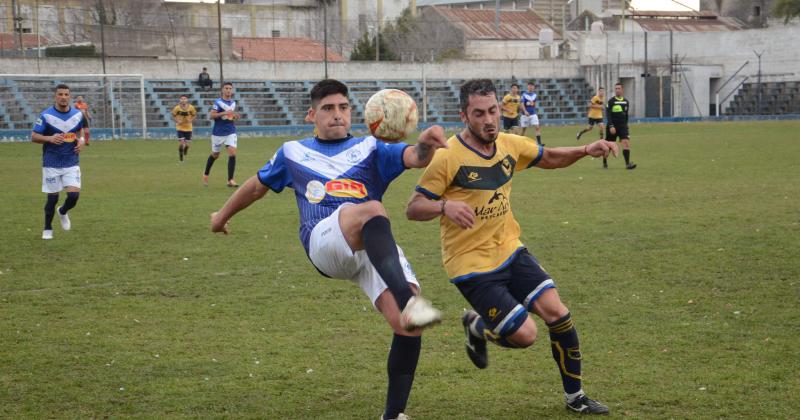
(227, 83)
(62, 86)
(514, 84)
(482, 87)
(325, 88)
(601, 88)
(184, 96)
(618, 84)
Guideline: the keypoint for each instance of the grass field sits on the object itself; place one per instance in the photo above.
(682, 277)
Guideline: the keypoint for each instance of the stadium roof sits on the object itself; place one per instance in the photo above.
(479, 24)
(282, 49)
(684, 21)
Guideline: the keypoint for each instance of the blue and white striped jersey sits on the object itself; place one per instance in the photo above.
(327, 174)
(50, 122)
(223, 126)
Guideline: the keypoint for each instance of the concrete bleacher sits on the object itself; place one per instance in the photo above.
(264, 103)
(777, 98)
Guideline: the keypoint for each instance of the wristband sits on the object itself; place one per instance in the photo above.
(586, 149)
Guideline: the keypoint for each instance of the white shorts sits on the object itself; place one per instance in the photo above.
(218, 141)
(56, 179)
(528, 120)
(331, 254)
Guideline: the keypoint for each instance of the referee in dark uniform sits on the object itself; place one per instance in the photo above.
(617, 126)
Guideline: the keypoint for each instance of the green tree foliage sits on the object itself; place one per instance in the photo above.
(787, 9)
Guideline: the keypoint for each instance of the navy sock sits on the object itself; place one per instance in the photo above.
(209, 162)
(382, 252)
(50, 211)
(70, 202)
(231, 166)
(566, 352)
(402, 364)
(180, 151)
(627, 154)
(539, 139)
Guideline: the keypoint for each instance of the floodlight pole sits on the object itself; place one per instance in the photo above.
(325, 36)
(759, 79)
(219, 34)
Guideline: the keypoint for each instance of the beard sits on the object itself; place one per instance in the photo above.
(480, 137)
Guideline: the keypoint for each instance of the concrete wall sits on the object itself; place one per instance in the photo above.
(702, 56)
(188, 69)
(506, 49)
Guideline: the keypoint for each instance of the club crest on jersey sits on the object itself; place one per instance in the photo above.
(315, 192)
(345, 188)
(353, 155)
(70, 137)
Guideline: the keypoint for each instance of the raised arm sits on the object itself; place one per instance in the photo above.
(251, 191)
(420, 155)
(561, 157)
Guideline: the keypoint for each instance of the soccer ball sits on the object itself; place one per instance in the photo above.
(391, 115)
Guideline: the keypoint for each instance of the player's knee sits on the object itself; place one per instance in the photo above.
(215, 155)
(372, 209)
(525, 336)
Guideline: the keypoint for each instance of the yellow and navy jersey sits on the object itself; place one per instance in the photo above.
(511, 105)
(461, 173)
(596, 113)
(183, 117)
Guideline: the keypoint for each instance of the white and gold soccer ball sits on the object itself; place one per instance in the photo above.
(391, 115)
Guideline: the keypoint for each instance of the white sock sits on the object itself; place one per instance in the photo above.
(572, 397)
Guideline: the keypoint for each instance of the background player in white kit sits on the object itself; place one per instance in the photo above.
(59, 129)
(339, 181)
(529, 117)
(224, 133)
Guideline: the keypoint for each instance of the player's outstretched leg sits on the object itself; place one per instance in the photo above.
(567, 355)
(476, 342)
(49, 213)
(365, 226)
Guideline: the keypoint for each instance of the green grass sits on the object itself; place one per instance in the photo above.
(682, 277)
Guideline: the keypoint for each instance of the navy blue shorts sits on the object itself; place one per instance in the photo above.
(184, 135)
(504, 297)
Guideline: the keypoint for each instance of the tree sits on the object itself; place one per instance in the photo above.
(787, 9)
(365, 49)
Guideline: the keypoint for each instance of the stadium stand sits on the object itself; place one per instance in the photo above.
(268, 103)
(777, 98)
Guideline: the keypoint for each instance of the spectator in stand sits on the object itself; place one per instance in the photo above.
(204, 79)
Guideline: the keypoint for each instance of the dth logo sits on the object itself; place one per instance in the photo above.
(345, 188)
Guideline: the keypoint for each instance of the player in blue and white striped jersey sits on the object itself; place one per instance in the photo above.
(60, 131)
(338, 182)
(223, 133)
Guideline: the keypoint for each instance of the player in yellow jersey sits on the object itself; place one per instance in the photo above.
(468, 187)
(183, 114)
(596, 106)
(511, 106)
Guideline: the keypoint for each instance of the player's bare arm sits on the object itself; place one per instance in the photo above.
(250, 192)
(81, 141)
(420, 155)
(561, 157)
(422, 208)
(42, 139)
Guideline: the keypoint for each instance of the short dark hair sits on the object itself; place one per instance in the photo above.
(227, 83)
(325, 88)
(482, 87)
(514, 84)
(185, 96)
(601, 88)
(62, 86)
(531, 82)
(204, 68)
(618, 84)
